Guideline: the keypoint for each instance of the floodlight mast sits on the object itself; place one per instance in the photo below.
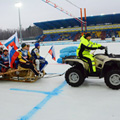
(19, 5)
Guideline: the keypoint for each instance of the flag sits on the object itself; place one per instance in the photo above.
(12, 41)
(1, 45)
(52, 53)
(13, 54)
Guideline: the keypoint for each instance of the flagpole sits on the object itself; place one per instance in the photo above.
(46, 55)
(3, 65)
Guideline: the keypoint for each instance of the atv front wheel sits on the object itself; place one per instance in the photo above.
(112, 79)
(74, 77)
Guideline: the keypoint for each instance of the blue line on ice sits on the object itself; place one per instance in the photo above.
(16, 89)
(39, 106)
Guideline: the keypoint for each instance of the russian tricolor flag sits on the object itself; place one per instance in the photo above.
(1, 43)
(12, 41)
(52, 53)
(13, 54)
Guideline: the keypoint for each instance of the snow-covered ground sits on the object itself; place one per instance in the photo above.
(54, 99)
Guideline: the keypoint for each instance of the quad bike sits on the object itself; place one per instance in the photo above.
(107, 65)
(19, 75)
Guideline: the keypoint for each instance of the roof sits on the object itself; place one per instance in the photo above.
(91, 20)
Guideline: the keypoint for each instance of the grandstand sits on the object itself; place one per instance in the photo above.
(102, 26)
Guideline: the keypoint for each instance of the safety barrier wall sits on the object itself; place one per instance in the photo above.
(108, 40)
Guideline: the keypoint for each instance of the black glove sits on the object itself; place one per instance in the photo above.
(102, 47)
(27, 63)
(42, 60)
(32, 58)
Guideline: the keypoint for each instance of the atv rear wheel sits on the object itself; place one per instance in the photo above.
(112, 79)
(74, 77)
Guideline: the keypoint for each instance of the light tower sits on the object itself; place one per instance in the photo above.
(18, 5)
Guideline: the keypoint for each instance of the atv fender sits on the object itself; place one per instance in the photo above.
(73, 62)
(109, 65)
(78, 64)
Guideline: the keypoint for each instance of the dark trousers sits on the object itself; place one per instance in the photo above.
(90, 59)
(30, 66)
(89, 62)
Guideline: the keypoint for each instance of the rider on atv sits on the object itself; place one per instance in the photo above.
(83, 51)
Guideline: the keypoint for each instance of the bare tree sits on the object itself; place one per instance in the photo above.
(30, 33)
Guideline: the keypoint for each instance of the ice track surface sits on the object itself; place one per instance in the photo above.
(53, 99)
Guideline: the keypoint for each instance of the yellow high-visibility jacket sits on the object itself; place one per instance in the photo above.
(86, 46)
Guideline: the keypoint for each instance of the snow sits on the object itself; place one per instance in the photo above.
(54, 99)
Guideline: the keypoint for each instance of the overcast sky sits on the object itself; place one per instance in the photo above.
(38, 11)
